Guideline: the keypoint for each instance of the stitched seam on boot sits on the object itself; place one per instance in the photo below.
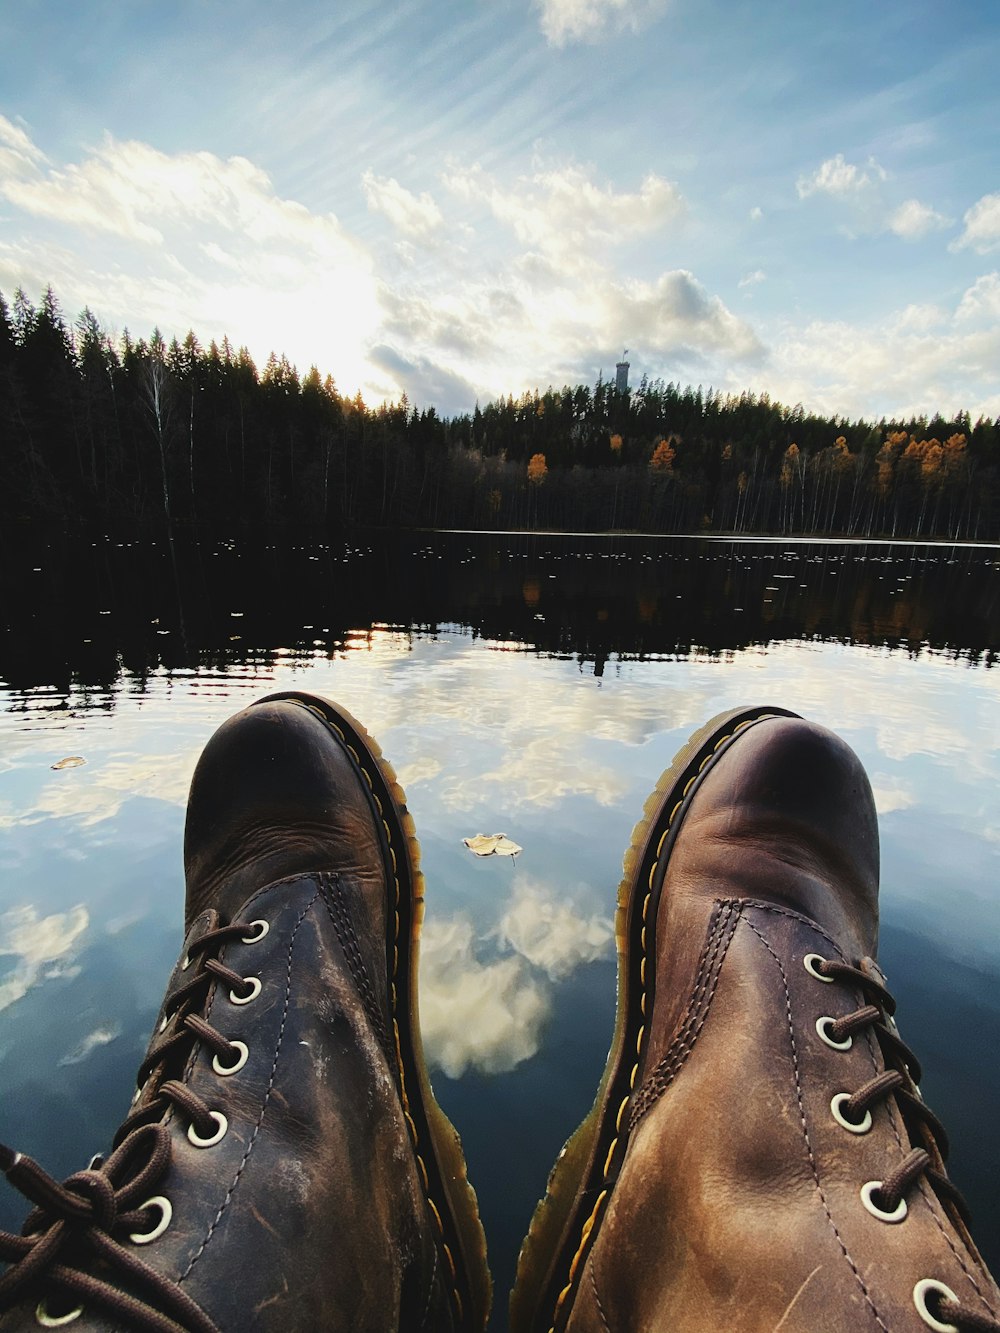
(759, 906)
(430, 1290)
(267, 1094)
(597, 1299)
(717, 943)
(805, 1132)
(344, 928)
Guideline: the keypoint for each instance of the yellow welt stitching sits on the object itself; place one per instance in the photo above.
(589, 1224)
(451, 1261)
(607, 1160)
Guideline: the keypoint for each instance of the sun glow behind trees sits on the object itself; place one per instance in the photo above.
(131, 431)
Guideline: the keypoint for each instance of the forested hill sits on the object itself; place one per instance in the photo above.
(123, 431)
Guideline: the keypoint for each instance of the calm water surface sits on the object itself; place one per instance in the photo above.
(531, 686)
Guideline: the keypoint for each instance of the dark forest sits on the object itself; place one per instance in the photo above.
(123, 432)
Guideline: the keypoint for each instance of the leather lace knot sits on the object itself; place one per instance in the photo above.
(74, 1245)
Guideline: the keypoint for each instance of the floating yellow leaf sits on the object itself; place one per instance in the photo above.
(492, 844)
(71, 761)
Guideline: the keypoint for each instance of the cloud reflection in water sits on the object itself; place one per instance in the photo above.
(41, 947)
(486, 1011)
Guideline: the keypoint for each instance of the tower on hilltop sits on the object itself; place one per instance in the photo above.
(621, 374)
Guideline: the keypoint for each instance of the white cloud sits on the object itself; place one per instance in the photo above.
(981, 302)
(473, 1014)
(890, 795)
(840, 178)
(416, 216)
(190, 240)
(547, 300)
(563, 212)
(752, 279)
(756, 213)
(913, 220)
(548, 929)
(94, 794)
(39, 946)
(982, 226)
(564, 21)
(920, 359)
(92, 1042)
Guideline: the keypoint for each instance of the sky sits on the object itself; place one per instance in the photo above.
(458, 199)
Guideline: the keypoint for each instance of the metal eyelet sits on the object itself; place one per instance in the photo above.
(47, 1320)
(255, 989)
(821, 1027)
(261, 928)
(809, 963)
(242, 1051)
(166, 1213)
(213, 1139)
(897, 1214)
(855, 1126)
(921, 1291)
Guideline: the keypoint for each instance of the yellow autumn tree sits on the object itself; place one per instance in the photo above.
(886, 457)
(538, 469)
(663, 457)
(616, 444)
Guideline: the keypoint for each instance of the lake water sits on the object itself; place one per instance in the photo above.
(535, 686)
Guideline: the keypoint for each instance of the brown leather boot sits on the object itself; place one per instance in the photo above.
(284, 1165)
(758, 1157)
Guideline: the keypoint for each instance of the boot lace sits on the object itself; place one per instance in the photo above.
(887, 1198)
(78, 1242)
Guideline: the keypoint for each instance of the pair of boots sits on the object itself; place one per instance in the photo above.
(758, 1157)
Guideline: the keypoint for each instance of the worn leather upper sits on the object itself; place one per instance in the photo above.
(738, 1203)
(310, 1211)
